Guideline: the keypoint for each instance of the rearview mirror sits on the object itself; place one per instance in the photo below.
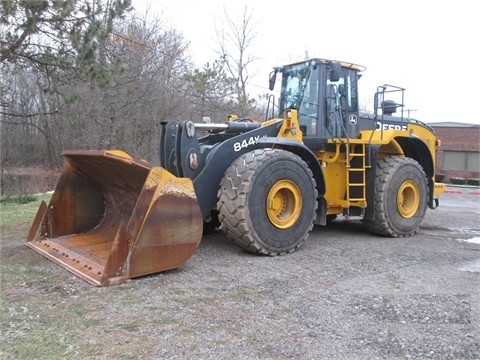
(335, 69)
(273, 78)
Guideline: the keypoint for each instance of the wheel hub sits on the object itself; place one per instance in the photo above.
(408, 199)
(284, 204)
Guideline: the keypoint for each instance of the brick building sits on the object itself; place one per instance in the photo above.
(458, 157)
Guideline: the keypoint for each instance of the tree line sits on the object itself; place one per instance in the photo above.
(94, 74)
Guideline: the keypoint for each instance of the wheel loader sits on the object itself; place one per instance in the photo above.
(265, 183)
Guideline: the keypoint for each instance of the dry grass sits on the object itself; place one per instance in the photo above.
(47, 313)
(28, 180)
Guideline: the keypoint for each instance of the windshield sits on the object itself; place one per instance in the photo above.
(300, 90)
(294, 82)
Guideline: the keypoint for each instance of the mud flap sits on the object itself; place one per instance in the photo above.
(112, 218)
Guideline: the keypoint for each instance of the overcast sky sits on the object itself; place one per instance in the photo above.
(430, 48)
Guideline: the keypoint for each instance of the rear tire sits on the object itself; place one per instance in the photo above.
(267, 202)
(401, 197)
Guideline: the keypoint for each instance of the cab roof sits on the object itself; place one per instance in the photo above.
(344, 64)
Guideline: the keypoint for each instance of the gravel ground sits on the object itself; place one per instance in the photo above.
(344, 295)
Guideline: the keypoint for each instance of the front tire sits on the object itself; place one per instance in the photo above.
(401, 197)
(267, 202)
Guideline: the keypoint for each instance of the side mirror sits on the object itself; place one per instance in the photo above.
(273, 78)
(335, 70)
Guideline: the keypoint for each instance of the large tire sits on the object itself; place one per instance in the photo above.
(401, 197)
(267, 202)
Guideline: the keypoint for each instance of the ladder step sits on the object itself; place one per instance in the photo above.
(356, 183)
(356, 199)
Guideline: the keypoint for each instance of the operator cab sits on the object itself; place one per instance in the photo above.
(325, 94)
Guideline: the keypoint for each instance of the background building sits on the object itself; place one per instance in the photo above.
(458, 158)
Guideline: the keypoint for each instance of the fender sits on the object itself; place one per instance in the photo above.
(223, 154)
(416, 148)
(304, 152)
(219, 158)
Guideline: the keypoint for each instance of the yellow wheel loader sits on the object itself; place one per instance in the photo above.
(265, 184)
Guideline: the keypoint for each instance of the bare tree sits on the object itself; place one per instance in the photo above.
(44, 46)
(210, 92)
(147, 88)
(235, 39)
(43, 113)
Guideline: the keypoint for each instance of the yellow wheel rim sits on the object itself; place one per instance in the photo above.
(284, 204)
(408, 199)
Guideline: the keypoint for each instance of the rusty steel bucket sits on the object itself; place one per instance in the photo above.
(112, 218)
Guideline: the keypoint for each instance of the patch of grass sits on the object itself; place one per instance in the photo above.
(16, 213)
(28, 337)
(163, 320)
(241, 294)
(78, 309)
(92, 323)
(20, 199)
(198, 300)
(129, 326)
(128, 357)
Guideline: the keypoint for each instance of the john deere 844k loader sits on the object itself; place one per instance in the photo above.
(113, 218)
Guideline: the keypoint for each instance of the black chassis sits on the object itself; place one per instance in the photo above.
(206, 159)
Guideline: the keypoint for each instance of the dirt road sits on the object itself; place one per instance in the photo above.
(344, 295)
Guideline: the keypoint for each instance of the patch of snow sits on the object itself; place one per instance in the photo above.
(474, 240)
(471, 266)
